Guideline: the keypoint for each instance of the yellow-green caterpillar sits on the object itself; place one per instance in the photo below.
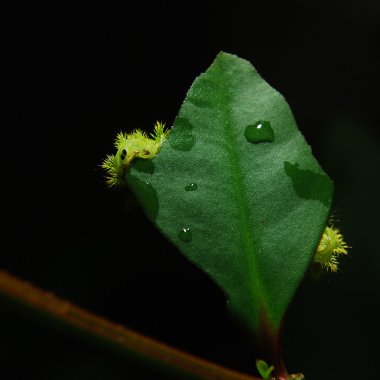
(132, 145)
(330, 248)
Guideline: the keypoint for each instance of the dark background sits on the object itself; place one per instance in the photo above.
(75, 77)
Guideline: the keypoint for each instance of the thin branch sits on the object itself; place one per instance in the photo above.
(91, 327)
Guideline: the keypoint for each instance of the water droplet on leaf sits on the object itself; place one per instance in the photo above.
(185, 235)
(191, 187)
(309, 184)
(259, 132)
(181, 136)
(200, 102)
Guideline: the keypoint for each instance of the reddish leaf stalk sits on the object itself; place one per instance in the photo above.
(91, 327)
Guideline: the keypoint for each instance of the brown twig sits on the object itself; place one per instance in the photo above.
(129, 343)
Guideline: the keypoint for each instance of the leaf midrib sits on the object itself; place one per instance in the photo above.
(240, 196)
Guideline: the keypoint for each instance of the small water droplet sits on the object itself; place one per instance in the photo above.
(185, 235)
(191, 187)
(259, 132)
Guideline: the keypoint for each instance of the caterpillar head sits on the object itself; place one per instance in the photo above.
(330, 248)
(129, 146)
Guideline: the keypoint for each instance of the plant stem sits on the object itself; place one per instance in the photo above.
(93, 328)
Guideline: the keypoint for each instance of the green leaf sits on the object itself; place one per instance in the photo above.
(264, 369)
(248, 214)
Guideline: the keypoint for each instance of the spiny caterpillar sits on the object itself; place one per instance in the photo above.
(331, 246)
(129, 146)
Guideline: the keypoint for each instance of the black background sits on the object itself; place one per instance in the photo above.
(75, 77)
